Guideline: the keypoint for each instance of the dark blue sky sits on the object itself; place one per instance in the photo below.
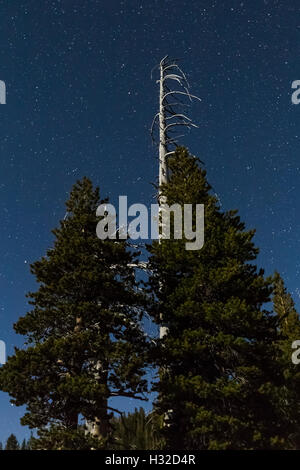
(80, 101)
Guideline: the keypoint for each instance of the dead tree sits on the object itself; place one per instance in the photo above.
(170, 118)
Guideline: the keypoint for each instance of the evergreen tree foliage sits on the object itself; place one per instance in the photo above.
(24, 445)
(84, 343)
(29, 444)
(289, 331)
(61, 438)
(12, 443)
(137, 431)
(218, 385)
(284, 307)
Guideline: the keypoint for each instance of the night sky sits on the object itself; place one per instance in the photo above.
(80, 102)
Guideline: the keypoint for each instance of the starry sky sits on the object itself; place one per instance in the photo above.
(80, 102)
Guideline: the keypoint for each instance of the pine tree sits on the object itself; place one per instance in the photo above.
(218, 381)
(29, 443)
(137, 431)
(284, 307)
(289, 331)
(84, 342)
(12, 443)
(24, 445)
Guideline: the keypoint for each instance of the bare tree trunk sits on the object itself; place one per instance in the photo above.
(101, 424)
(163, 168)
(169, 119)
(100, 427)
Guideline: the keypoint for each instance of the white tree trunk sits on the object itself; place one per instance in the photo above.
(163, 168)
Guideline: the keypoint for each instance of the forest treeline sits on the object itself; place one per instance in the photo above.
(225, 376)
